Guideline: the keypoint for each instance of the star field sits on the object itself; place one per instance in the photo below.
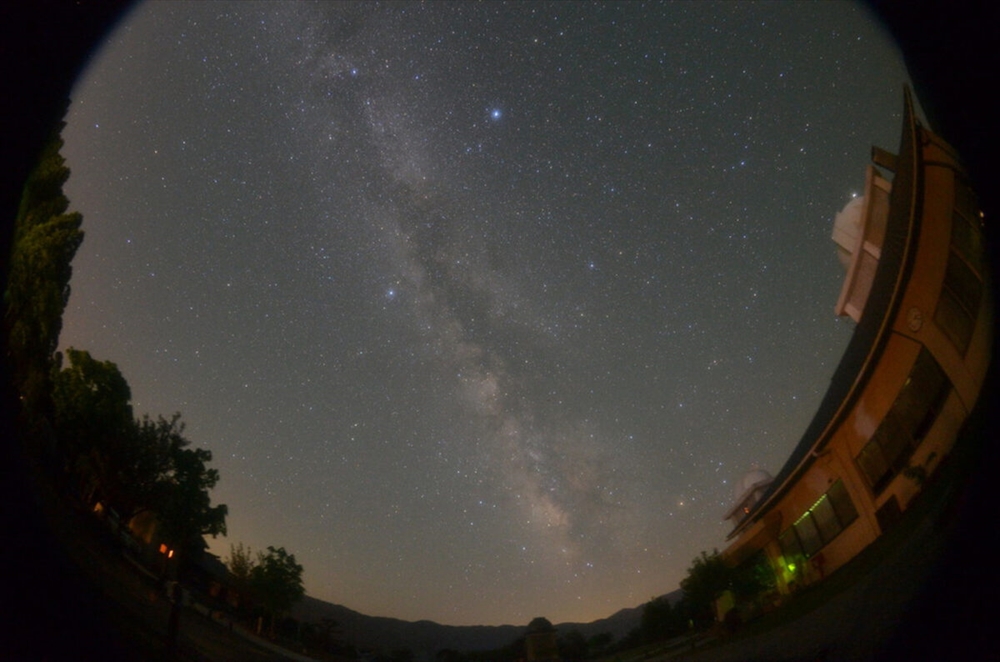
(480, 308)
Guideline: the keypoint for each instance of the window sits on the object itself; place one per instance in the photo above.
(906, 424)
(920, 401)
(967, 240)
(842, 504)
(825, 519)
(819, 525)
(963, 283)
(895, 442)
(959, 303)
(808, 534)
(873, 466)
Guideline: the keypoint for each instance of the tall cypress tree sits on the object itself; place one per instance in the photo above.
(46, 238)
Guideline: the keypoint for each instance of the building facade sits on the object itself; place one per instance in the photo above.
(917, 286)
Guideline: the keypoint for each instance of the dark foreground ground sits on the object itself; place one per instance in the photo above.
(936, 599)
(76, 597)
(931, 596)
(927, 590)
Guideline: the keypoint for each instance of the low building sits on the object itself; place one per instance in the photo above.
(540, 641)
(917, 287)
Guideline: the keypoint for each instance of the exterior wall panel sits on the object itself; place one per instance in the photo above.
(914, 384)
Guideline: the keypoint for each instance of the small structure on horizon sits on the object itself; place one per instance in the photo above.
(540, 641)
(747, 492)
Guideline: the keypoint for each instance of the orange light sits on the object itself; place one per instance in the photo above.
(163, 548)
(170, 554)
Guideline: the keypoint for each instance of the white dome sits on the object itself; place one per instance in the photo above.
(748, 481)
(847, 229)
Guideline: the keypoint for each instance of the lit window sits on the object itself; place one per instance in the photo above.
(819, 525)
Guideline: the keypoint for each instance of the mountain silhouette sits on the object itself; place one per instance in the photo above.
(427, 637)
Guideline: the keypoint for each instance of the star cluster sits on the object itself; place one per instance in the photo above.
(481, 308)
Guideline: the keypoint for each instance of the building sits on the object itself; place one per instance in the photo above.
(540, 641)
(917, 286)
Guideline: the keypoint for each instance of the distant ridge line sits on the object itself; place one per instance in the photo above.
(428, 637)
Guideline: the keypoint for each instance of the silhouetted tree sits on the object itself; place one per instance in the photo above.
(402, 655)
(599, 643)
(632, 639)
(93, 422)
(660, 620)
(276, 581)
(449, 655)
(515, 650)
(46, 238)
(330, 634)
(179, 481)
(240, 564)
(572, 646)
(136, 466)
(708, 577)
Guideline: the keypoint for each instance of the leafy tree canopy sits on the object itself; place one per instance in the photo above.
(240, 563)
(92, 402)
(137, 466)
(46, 238)
(660, 620)
(707, 577)
(599, 642)
(177, 481)
(276, 580)
(572, 646)
(92, 413)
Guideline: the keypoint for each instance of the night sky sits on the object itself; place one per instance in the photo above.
(482, 309)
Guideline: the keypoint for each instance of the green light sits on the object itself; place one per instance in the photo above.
(791, 567)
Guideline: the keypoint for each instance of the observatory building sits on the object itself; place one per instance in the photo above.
(747, 492)
(916, 285)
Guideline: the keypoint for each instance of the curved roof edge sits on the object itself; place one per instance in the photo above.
(873, 330)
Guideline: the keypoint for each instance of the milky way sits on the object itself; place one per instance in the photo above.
(481, 309)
